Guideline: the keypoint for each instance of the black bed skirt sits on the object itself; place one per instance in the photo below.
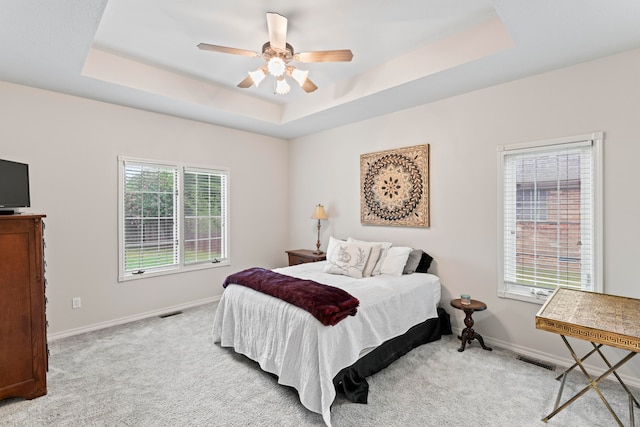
(351, 380)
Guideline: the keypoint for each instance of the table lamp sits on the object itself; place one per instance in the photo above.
(319, 214)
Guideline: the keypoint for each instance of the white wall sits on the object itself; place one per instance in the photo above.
(72, 144)
(463, 133)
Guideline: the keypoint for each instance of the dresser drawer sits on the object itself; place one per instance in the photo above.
(301, 256)
(297, 259)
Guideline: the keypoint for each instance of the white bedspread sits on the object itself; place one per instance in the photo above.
(292, 344)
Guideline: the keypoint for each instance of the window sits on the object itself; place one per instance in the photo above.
(150, 216)
(550, 223)
(172, 217)
(205, 195)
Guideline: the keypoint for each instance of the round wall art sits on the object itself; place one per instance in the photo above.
(394, 187)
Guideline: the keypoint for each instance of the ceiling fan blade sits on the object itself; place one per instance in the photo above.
(309, 86)
(247, 82)
(224, 49)
(277, 26)
(342, 55)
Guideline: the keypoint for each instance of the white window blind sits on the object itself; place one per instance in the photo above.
(550, 224)
(150, 217)
(205, 213)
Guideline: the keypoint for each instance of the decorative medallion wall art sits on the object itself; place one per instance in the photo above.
(394, 187)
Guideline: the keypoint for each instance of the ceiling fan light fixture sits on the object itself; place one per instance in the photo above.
(258, 75)
(276, 66)
(282, 87)
(299, 76)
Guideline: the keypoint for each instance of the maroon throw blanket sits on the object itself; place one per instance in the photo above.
(326, 303)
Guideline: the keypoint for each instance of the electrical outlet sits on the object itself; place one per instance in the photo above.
(76, 302)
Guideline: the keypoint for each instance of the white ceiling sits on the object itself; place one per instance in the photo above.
(142, 53)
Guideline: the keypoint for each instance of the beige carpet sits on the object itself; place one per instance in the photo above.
(168, 372)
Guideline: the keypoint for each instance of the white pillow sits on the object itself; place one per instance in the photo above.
(333, 242)
(384, 246)
(395, 260)
(348, 259)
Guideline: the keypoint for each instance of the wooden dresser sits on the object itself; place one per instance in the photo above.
(23, 335)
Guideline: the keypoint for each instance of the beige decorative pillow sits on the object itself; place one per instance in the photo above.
(384, 246)
(348, 259)
(376, 250)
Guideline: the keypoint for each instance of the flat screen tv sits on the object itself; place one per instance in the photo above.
(14, 186)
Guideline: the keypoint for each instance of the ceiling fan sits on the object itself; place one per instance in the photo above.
(278, 54)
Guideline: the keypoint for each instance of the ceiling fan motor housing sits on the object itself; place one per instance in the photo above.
(268, 52)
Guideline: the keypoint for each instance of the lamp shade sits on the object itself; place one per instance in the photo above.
(299, 76)
(282, 86)
(319, 213)
(257, 76)
(276, 66)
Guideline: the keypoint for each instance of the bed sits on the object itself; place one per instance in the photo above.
(395, 314)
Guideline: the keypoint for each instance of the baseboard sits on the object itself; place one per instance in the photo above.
(127, 319)
(562, 362)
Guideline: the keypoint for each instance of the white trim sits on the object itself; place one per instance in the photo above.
(173, 270)
(504, 293)
(595, 140)
(120, 215)
(598, 209)
(122, 170)
(128, 319)
(180, 266)
(226, 217)
(561, 362)
(534, 145)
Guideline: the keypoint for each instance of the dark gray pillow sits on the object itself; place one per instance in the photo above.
(425, 263)
(412, 261)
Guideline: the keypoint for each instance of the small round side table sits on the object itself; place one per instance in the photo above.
(468, 334)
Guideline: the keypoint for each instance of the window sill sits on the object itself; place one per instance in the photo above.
(172, 270)
(531, 298)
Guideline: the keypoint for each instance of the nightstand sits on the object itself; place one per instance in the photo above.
(468, 334)
(301, 256)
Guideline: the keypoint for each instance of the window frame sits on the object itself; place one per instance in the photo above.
(180, 266)
(224, 217)
(531, 293)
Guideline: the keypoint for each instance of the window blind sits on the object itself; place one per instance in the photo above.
(205, 213)
(548, 217)
(150, 216)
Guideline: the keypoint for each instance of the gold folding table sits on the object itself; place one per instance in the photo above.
(600, 319)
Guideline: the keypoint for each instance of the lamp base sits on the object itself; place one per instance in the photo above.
(318, 252)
